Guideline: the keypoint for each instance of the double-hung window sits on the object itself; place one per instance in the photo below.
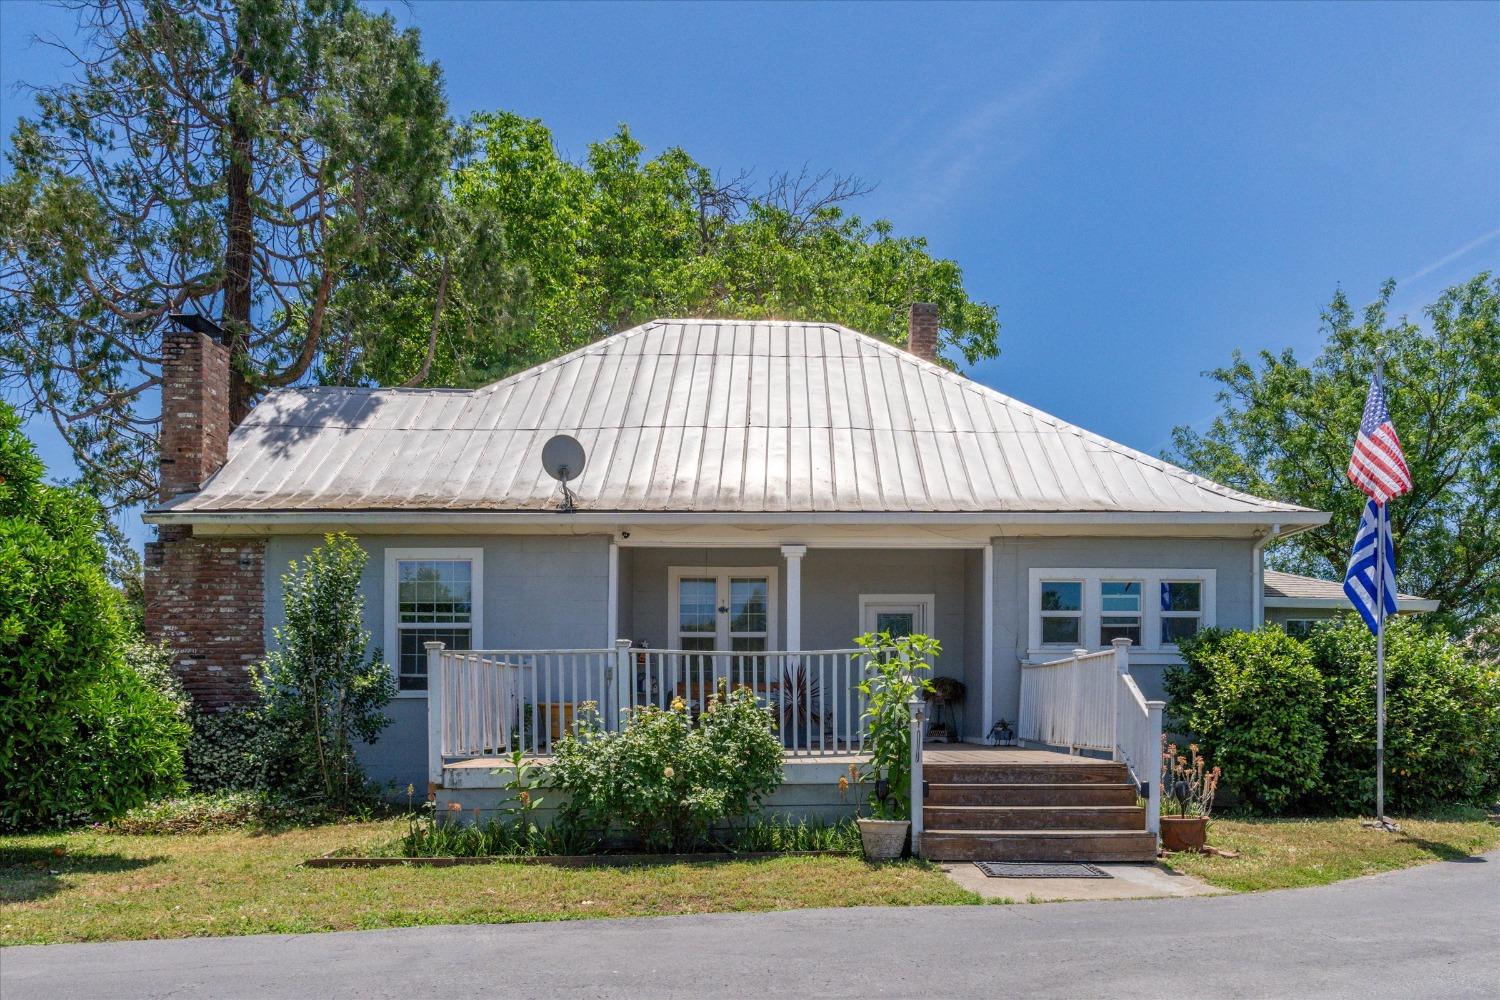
(1181, 610)
(1119, 611)
(432, 595)
(1061, 612)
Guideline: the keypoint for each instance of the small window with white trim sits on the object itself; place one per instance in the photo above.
(1181, 610)
(431, 596)
(1061, 612)
(1299, 628)
(1119, 611)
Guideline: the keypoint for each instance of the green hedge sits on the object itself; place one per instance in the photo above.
(84, 735)
(1292, 723)
(1251, 700)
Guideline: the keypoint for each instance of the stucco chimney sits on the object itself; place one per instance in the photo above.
(194, 410)
(922, 330)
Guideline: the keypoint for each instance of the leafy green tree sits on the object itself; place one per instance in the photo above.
(620, 239)
(84, 735)
(260, 162)
(1287, 429)
(320, 692)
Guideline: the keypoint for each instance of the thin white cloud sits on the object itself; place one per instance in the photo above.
(1003, 130)
(1444, 261)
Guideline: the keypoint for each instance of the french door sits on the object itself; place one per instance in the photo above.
(723, 610)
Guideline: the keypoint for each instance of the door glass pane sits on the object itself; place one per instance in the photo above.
(748, 605)
(1117, 596)
(1062, 596)
(1060, 630)
(697, 604)
(897, 623)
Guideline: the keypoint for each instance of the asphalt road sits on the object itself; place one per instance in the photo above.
(1426, 932)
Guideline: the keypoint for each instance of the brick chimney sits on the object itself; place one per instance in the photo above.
(194, 410)
(922, 330)
(204, 595)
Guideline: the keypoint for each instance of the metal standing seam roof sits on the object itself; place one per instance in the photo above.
(697, 416)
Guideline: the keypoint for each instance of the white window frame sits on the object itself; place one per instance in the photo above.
(1140, 616)
(1091, 577)
(1039, 614)
(393, 557)
(1202, 602)
(723, 574)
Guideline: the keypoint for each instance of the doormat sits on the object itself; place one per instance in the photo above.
(1031, 869)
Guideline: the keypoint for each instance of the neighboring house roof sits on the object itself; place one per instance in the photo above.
(1288, 590)
(700, 416)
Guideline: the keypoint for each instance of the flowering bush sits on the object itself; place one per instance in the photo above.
(666, 778)
(1187, 783)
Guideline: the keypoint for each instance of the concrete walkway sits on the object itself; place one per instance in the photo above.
(1427, 932)
(1125, 881)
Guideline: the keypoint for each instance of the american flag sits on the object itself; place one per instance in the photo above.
(1377, 465)
(1360, 581)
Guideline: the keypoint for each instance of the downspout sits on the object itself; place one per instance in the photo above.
(1258, 578)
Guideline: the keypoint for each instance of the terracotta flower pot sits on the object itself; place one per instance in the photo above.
(1184, 833)
(883, 839)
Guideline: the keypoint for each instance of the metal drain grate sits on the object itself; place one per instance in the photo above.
(1031, 869)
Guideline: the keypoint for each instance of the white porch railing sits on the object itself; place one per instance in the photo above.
(1089, 701)
(484, 703)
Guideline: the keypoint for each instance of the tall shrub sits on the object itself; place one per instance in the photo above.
(1251, 699)
(895, 675)
(1442, 718)
(83, 735)
(320, 691)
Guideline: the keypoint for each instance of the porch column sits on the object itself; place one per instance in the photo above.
(614, 593)
(794, 554)
(987, 688)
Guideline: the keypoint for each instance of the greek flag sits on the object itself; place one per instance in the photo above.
(1359, 580)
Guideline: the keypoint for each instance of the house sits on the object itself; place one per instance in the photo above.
(1296, 603)
(754, 495)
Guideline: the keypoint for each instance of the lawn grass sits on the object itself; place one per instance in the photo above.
(1287, 853)
(92, 886)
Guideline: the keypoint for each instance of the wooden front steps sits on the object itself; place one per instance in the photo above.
(1031, 805)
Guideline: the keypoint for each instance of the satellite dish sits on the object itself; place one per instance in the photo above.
(563, 458)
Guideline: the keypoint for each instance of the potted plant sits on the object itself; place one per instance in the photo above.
(893, 677)
(1188, 786)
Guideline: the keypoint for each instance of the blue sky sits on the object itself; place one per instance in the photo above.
(1139, 189)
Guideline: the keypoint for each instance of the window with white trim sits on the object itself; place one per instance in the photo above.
(1181, 610)
(1299, 628)
(1061, 612)
(1119, 611)
(432, 595)
(1074, 607)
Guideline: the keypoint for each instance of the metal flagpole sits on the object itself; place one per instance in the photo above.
(1382, 527)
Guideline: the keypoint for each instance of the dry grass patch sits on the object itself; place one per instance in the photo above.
(1286, 853)
(91, 886)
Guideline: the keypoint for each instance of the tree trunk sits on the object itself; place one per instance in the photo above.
(239, 244)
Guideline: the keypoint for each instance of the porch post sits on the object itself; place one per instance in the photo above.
(987, 687)
(1122, 667)
(916, 707)
(794, 554)
(1152, 751)
(434, 712)
(614, 593)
